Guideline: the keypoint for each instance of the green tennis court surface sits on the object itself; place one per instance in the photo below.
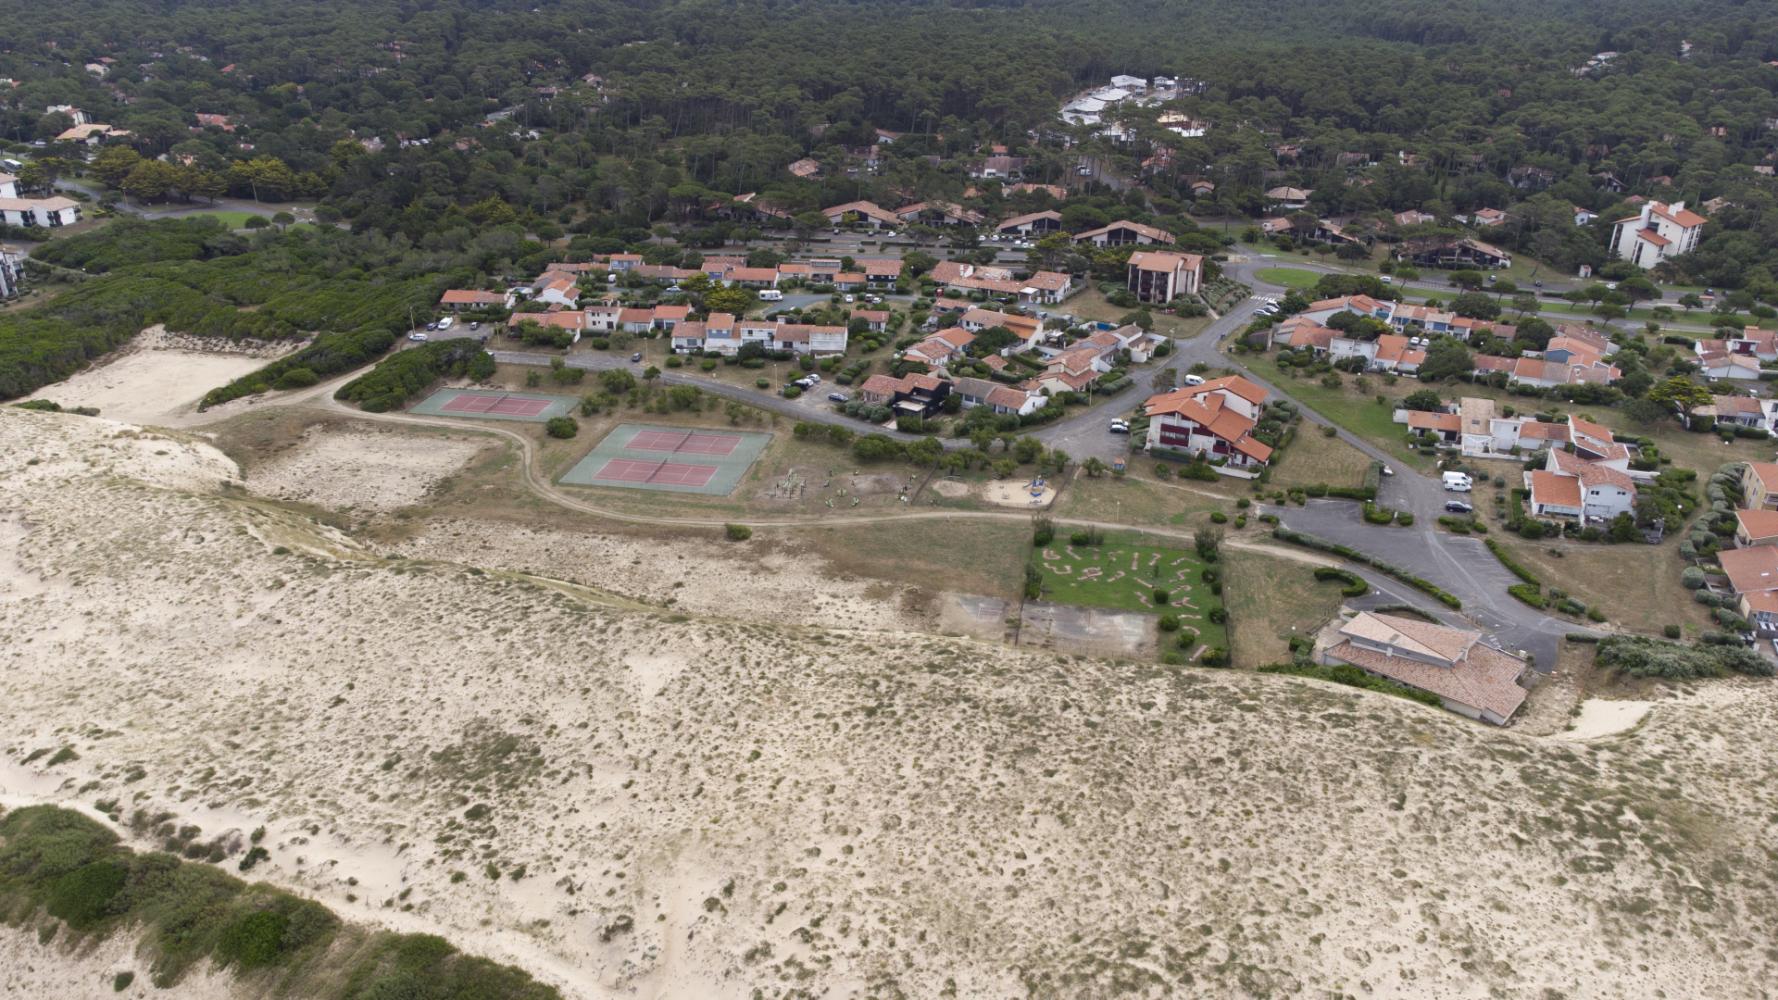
(670, 459)
(493, 404)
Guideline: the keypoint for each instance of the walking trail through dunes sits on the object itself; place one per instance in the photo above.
(717, 801)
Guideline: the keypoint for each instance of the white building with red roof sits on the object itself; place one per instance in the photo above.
(1123, 232)
(1159, 276)
(1657, 233)
(1215, 419)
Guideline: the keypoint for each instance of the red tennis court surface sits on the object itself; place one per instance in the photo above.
(687, 442)
(628, 470)
(510, 405)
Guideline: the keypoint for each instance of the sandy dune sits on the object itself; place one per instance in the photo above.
(675, 803)
(158, 378)
(366, 470)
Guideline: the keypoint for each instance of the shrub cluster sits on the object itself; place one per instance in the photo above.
(1354, 584)
(1344, 673)
(1640, 657)
(398, 377)
(58, 862)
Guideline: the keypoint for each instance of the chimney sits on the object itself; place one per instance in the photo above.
(1648, 208)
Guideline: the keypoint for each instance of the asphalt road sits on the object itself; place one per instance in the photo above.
(1461, 565)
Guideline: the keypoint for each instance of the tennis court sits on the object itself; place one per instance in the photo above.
(670, 459)
(487, 404)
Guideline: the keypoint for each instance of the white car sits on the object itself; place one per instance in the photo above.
(1120, 427)
(418, 338)
(445, 324)
(1193, 380)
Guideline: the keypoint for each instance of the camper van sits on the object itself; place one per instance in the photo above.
(1457, 482)
(771, 295)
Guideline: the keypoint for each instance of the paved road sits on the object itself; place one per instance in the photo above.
(1461, 565)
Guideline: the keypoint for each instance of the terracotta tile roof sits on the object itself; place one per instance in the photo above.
(1151, 260)
(1435, 421)
(1555, 488)
(1766, 473)
(1486, 679)
(1007, 397)
(1765, 602)
(1682, 217)
(1751, 570)
(468, 297)
(1592, 473)
(1758, 524)
(752, 274)
(872, 315)
(1235, 384)
(1158, 235)
(1049, 281)
(1020, 220)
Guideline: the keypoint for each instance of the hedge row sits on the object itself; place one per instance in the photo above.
(1342, 673)
(1641, 657)
(1347, 552)
(1512, 565)
(400, 376)
(1354, 584)
(58, 864)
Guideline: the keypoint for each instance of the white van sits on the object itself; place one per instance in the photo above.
(11, 166)
(1457, 482)
(445, 324)
(771, 295)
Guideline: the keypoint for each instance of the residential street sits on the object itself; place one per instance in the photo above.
(1461, 565)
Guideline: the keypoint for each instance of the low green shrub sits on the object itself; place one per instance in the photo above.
(1529, 593)
(1640, 657)
(1342, 673)
(737, 532)
(561, 427)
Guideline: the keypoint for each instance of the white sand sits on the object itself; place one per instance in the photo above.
(158, 378)
(1599, 717)
(1007, 493)
(87, 971)
(373, 470)
(705, 804)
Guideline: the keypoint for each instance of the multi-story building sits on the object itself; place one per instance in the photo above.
(1657, 233)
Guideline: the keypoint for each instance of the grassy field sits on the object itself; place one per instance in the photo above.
(1289, 277)
(1270, 600)
(1140, 499)
(1124, 574)
(1314, 459)
(1636, 586)
(1361, 415)
(233, 218)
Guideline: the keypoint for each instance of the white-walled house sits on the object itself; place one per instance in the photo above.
(49, 213)
(1215, 420)
(1656, 233)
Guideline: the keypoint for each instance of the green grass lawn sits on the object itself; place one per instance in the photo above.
(1289, 277)
(232, 218)
(1123, 574)
(1362, 415)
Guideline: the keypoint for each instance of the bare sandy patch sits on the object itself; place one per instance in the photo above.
(372, 469)
(694, 575)
(640, 802)
(89, 971)
(1006, 493)
(953, 488)
(1599, 718)
(158, 378)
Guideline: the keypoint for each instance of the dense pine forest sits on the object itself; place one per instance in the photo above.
(610, 122)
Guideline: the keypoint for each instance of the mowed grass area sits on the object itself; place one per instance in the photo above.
(232, 218)
(1636, 586)
(1314, 459)
(1360, 414)
(1289, 277)
(1269, 600)
(1140, 499)
(1124, 573)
